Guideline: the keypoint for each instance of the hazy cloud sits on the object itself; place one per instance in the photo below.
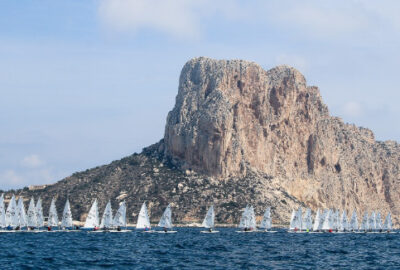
(32, 161)
(10, 178)
(352, 109)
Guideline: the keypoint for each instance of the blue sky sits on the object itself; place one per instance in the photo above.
(83, 83)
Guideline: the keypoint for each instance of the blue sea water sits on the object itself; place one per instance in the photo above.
(190, 249)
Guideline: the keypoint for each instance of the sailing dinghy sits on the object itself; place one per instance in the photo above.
(266, 222)
(2, 213)
(296, 220)
(317, 222)
(119, 221)
(21, 214)
(208, 221)
(344, 223)
(39, 214)
(387, 225)
(354, 222)
(327, 226)
(143, 222)
(12, 222)
(378, 222)
(166, 221)
(248, 220)
(52, 221)
(66, 221)
(107, 219)
(365, 224)
(31, 217)
(306, 224)
(92, 220)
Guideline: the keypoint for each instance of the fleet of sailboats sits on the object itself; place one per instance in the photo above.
(15, 218)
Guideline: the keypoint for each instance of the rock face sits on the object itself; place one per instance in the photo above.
(232, 117)
(239, 134)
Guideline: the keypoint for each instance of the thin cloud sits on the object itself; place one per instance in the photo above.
(32, 161)
(352, 109)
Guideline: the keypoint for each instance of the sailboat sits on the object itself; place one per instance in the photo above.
(143, 219)
(296, 220)
(353, 226)
(306, 224)
(378, 222)
(66, 222)
(266, 221)
(166, 221)
(92, 220)
(52, 221)
(372, 222)
(119, 221)
(387, 225)
(31, 217)
(344, 223)
(39, 214)
(364, 224)
(2, 213)
(107, 219)
(12, 221)
(317, 221)
(21, 213)
(327, 226)
(248, 220)
(208, 221)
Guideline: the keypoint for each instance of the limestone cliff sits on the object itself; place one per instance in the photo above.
(232, 117)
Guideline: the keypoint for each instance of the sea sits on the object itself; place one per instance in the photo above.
(190, 249)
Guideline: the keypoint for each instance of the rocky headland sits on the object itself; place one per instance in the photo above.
(239, 134)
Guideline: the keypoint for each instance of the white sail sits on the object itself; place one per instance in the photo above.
(316, 221)
(354, 221)
(2, 212)
(166, 219)
(328, 222)
(322, 219)
(378, 221)
(372, 221)
(21, 213)
(252, 218)
(143, 218)
(266, 221)
(307, 221)
(107, 219)
(364, 224)
(92, 219)
(66, 221)
(31, 217)
(53, 217)
(39, 213)
(120, 216)
(344, 222)
(244, 219)
(208, 221)
(387, 226)
(296, 220)
(11, 213)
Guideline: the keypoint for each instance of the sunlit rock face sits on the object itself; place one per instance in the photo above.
(232, 117)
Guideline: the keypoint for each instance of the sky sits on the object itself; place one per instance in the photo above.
(83, 83)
